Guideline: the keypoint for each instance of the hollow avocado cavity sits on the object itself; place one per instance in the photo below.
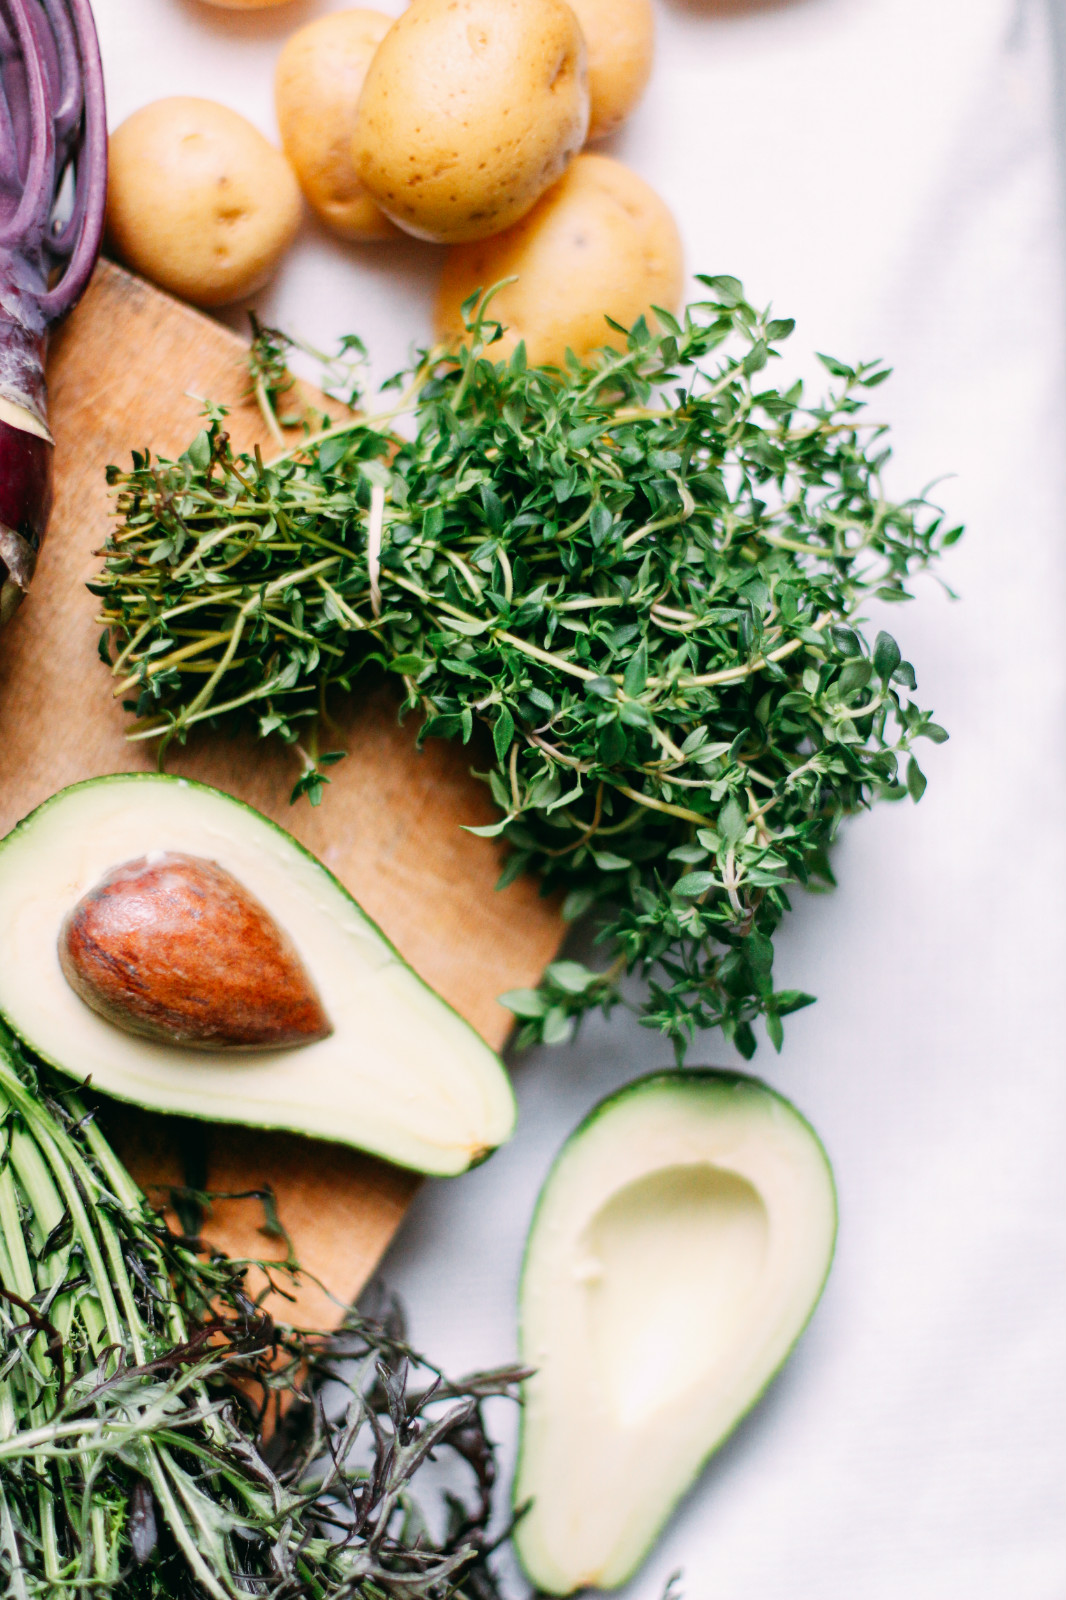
(678, 1249)
(657, 1327)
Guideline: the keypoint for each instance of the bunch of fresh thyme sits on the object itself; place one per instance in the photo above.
(137, 1382)
(642, 577)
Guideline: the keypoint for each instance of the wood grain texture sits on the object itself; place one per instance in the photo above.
(123, 375)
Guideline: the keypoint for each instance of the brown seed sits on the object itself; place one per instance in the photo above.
(173, 948)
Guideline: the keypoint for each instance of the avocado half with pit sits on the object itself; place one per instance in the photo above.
(678, 1249)
(183, 952)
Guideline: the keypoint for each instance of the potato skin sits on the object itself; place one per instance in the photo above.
(470, 111)
(620, 36)
(199, 201)
(601, 242)
(245, 5)
(317, 86)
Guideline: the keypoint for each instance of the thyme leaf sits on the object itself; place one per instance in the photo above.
(635, 587)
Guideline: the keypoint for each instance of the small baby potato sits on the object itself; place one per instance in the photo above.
(620, 36)
(316, 89)
(470, 111)
(601, 243)
(199, 201)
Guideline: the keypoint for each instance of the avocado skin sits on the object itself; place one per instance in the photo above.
(673, 1080)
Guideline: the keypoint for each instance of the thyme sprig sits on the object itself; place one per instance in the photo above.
(161, 1437)
(635, 586)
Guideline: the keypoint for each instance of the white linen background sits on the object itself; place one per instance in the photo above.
(889, 172)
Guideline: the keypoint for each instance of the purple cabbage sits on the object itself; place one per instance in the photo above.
(53, 184)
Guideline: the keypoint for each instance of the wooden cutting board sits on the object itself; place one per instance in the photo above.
(124, 373)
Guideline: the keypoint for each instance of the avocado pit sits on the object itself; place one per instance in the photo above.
(172, 947)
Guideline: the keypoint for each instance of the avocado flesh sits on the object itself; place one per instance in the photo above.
(401, 1075)
(678, 1249)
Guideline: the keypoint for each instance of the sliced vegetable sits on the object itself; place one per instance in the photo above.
(53, 180)
(400, 1074)
(679, 1247)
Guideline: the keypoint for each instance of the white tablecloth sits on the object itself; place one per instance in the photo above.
(890, 173)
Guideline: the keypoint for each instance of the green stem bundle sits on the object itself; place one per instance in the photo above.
(641, 579)
(133, 1458)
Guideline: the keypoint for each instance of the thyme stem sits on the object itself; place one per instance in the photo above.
(643, 576)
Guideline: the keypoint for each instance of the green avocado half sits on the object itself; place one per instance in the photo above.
(679, 1246)
(401, 1074)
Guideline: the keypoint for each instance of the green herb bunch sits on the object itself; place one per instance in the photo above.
(635, 586)
(137, 1382)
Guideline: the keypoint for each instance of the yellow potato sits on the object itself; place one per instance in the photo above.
(620, 36)
(198, 200)
(246, 5)
(601, 243)
(470, 111)
(316, 89)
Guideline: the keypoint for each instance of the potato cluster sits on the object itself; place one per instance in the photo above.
(461, 122)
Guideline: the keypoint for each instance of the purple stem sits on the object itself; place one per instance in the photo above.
(52, 121)
(90, 191)
(52, 117)
(35, 202)
(71, 98)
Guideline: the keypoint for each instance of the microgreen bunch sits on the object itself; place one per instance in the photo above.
(634, 586)
(161, 1439)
